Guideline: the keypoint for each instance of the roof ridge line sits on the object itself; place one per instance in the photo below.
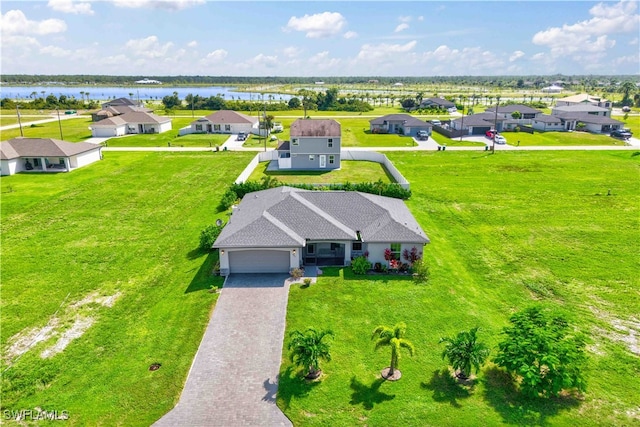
(322, 213)
(275, 221)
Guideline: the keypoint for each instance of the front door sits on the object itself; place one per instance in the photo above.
(323, 161)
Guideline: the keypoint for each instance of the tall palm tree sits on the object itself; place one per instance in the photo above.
(394, 338)
(464, 352)
(308, 348)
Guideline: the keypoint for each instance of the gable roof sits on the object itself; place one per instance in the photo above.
(314, 127)
(439, 101)
(579, 108)
(480, 119)
(133, 117)
(42, 147)
(588, 118)
(407, 118)
(545, 118)
(286, 216)
(508, 109)
(228, 116)
(582, 97)
(120, 101)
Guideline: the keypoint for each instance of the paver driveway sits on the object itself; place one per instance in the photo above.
(233, 380)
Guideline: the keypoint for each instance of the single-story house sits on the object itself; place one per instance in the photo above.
(545, 122)
(584, 98)
(119, 102)
(276, 230)
(315, 144)
(403, 124)
(445, 104)
(224, 121)
(477, 124)
(45, 155)
(130, 123)
(117, 110)
(592, 123)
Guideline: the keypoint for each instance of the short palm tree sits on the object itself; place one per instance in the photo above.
(308, 348)
(464, 352)
(393, 337)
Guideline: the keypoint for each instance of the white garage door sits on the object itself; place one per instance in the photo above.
(259, 262)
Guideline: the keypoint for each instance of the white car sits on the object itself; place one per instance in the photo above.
(501, 139)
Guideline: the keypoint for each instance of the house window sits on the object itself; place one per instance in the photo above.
(356, 246)
(395, 250)
(294, 141)
(330, 142)
(216, 127)
(199, 128)
(61, 161)
(227, 128)
(311, 157)
(36, 162)
(332, 159)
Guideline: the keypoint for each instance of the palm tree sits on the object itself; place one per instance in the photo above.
(393, 337)
(308, 348)
(464, 352)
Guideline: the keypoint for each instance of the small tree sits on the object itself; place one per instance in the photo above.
(543, 352)
(394, 338)
(308, 348)
(516, 115)
(360, 265)
(464, 352)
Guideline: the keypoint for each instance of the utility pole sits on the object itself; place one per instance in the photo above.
(19, 120)
(495, 124)
(59, 123)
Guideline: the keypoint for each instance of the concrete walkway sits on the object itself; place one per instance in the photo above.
(234, 377)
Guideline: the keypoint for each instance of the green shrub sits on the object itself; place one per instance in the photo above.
(360, 265)
(297, 273)
(307, 281)
(228, 199)
(209, 235)
(421, 273)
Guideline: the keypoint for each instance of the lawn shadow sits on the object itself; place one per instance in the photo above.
(446, 389)
(501, 393)
(368, 395)
(291, 384)
(204, 278)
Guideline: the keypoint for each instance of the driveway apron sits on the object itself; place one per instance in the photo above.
(234, 377)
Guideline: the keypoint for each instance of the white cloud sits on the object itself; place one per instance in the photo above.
(350, 35)
(148, 47)
(317, 26)
(633, 42)
(55, 51)
(15, 22)
(591, 35)
(474, 60)
(262, 60)
(192, 43)
(291, 52)
(322, 62)
(516, 55)
(384, 51)
(401, 27)
(538, 56)
(217, 55)
(68, 6)
(172, 5)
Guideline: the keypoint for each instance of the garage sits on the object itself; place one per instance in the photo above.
(480, 130)
(259, 261)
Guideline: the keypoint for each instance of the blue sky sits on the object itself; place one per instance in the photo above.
(354, 38)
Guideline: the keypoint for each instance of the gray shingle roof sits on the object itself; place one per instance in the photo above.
(545, 118)
(285, 217)
(315, 127)
(42, 147)
(230, 117)
(439, 101)
(410, 120)
(133, 117)
(579, 108)
(507, 109)
(589, 118)
(480, 119)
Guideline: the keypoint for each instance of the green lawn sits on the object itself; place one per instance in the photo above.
(559, 138)
(350, 171)
(73, 130)
(443, 140)
(126, 226)
(632, 122)
(506, 230)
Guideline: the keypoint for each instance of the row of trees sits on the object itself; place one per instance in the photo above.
(50, 102)
(541, 351)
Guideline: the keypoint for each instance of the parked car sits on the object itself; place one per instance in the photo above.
(500, 139)
(422, 135)
(436, 122)
(626, 109)
(621, 133)
(490, 133)
(241, 136)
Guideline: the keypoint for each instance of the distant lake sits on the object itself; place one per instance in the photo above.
(144, 93)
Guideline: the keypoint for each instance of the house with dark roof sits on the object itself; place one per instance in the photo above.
(402, 124)
(505, 115)
(442, 103)
(45, 155)
(223, 121)
(314, 145)
(546, 123)
(119, 102)
(130, 123)
(591, 118)
(477, 124)
(276, 230)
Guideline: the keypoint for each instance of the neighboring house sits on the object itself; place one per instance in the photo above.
(552, 89)
(593, 110)
(118, 107)
(224, 121)
(477, 124)
(403, 124)
(45, 155)
(594, 118)
(584, 98)
(314, 144)
(276, 230)
(120, 102)
(545, 122)
(130, 123)
(438, 102)
(506, 120)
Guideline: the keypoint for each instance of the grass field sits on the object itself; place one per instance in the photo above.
(559, 138)
(350, 171)
(506, 230)
(126, 228)
(73, 130)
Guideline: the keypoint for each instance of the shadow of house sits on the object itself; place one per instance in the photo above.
(204, 278)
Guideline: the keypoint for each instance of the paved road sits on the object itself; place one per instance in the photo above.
(234, 377)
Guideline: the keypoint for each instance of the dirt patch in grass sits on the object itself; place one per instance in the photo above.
(624, 331)
(25, 340)
(79, 327)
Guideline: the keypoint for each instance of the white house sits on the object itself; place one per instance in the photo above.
(545, 122)
(130, 123)
(45, 155)
(223, 121)
(584, 98)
